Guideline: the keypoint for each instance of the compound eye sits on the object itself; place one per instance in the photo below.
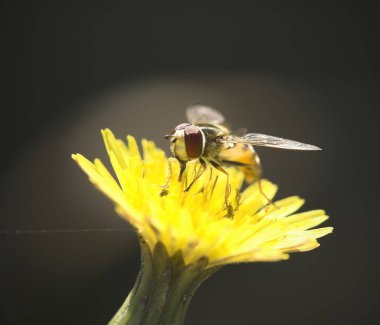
(193, 141)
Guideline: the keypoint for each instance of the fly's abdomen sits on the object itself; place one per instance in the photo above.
(245, 158)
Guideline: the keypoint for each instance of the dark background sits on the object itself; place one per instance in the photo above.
(308, 71)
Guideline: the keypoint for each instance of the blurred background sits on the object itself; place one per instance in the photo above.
(307, 71)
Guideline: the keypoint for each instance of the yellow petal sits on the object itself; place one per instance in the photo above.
(197, 221)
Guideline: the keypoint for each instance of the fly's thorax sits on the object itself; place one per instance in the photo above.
(213, 134)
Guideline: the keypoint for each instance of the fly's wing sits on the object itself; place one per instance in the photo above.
(263, 140)
(198, 114)
(239, 132)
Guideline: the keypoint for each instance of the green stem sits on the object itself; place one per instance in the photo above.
(163, 289)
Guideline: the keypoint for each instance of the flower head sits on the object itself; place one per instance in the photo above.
(196, 222)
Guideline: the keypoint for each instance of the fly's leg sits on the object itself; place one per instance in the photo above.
(204, 166)
(228, 187)
(252, 174)
(182, 167)
(165, 187)
(263, 194)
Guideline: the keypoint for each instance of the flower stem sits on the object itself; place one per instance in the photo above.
(163, 289)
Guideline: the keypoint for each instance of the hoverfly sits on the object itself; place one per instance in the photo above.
(206, 138)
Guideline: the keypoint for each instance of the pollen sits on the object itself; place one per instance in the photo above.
(196, 221)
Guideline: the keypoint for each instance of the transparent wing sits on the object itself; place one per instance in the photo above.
(199, 113)
(240, 132)
(257, 139)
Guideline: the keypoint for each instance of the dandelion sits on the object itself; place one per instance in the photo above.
(186, 236)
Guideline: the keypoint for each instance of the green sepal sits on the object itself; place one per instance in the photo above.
(163, 289)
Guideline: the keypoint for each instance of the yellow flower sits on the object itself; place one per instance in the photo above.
(196, 222)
